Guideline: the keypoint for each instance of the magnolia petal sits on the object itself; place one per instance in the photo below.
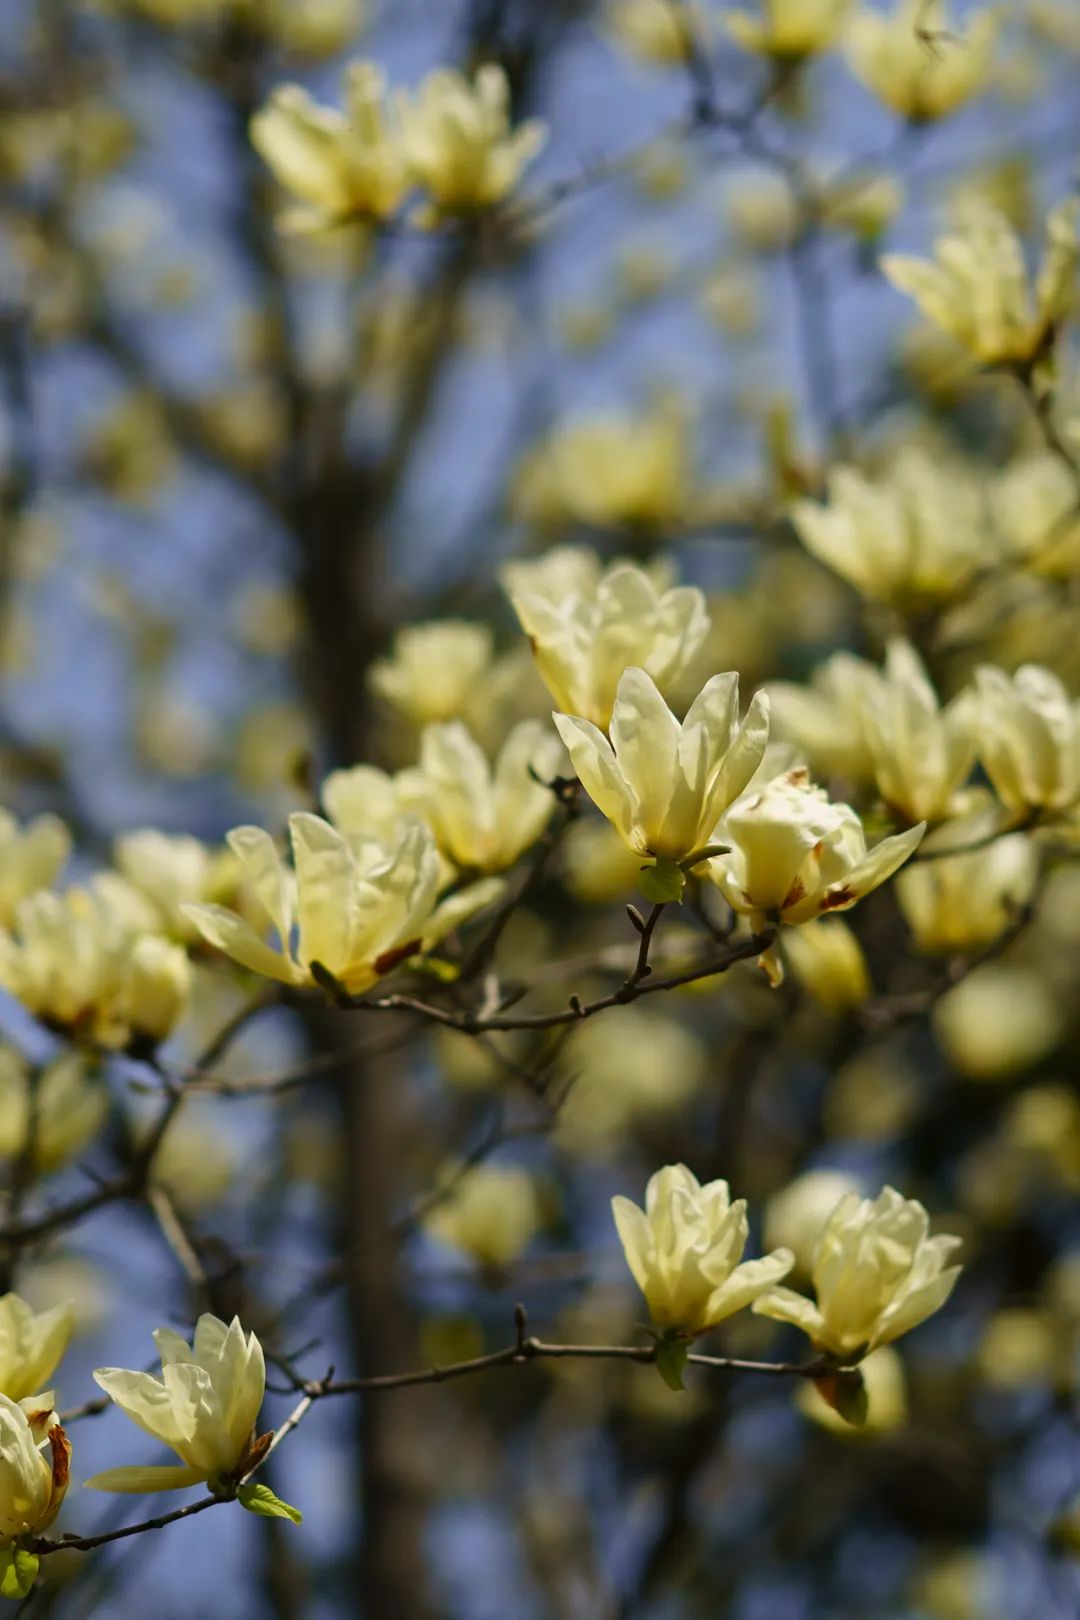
(325, 882)
(594, 761)
(239, 940)
(635, 1236)
(746, 1283)
(785, 1305)
(136, 1480)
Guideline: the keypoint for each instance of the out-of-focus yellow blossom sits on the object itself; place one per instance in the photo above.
(269, 618)
(1043, 1123)
(364, 803)
(31, 1487)
(316, 28)
(826, 719)
(129, 450)
(664, 786)
(599, 868)
(1028, 733)
(582, 327)
(762, 211)
(628, 1069)
(655, 31)
(483, 817)
(445, 670)
(872, 1098)
(31, 1345)
(866, 206)
(977, 288)
(247, 423)
(965, 902)
(194, 1162)
(341, 166)
(1004, 185)
(585, 640)
(886, 1398)
(794, 1217)
(684, 1251)
(271, 748)
(358, 913)
(173, 734)
(959, 1585)
(31, 858)
(1034, 502)
(458, 141)
(795, 855)
(877, 1273)
(920, 531)
(917, 62)
(731, 300)
(1057, 22)
(922, 752)
(642, 270)
(1018, 1348)
(663, 173)
(1000, 1020)
(612, 471)
(53, 1115)
(204, 1407)
(491, 1213)
(166, 871)
(827, 960)
(74, 961)
(789, 29)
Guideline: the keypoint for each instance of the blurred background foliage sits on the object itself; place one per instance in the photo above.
(236, 467)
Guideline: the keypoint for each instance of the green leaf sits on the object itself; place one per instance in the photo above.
(18, 1572)
(845, 1392)
(261, 1499)
(662, 882)
(671, 1357)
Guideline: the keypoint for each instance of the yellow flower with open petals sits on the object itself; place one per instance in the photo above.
(358, 912)
(204, 1406)
(684, 1251)
(917, 62)
(459, 143)
(877, 1273)
(662, 785)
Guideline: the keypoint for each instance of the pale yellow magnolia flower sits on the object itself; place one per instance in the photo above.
(458, 141)
(795, 1216)
(358, 913)
(1028, 732)
(977, 288)
(204, 1406)
(170, 871)
(826, 719)
(917, 62)
(583, 643)
(483, 817)
(922, 752)
(684, 1251)
(31, 1487)
(341, 166)
(877, 1273)
(655, 31)
(634, 1065)
(491, 1214)
(790, 29)
(31, 858)
(316, 28)
(920, 531)
(1003, 1019)
(763, 211)
(364, 803)
(598, 866)
(662, 785)
(794, 855)
(54, 1115)
(965, 902)
(828, 961)
(31, 1344)
(444, 670)
(612, 471)
(1034, 502)
(75, 960)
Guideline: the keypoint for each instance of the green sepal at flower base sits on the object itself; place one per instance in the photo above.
(260, 1499)
(18, 1571)
(662, 882)
(846, 1393)
(671, 1358)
